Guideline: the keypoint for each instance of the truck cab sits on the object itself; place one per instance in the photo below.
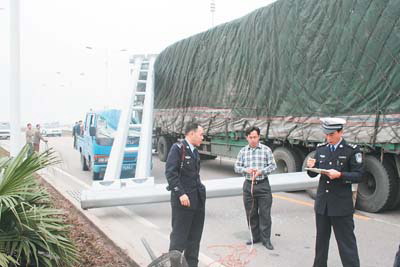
(95, 142)
(4, 130)
(51, 129)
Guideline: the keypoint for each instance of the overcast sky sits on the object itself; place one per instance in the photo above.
(61, 79)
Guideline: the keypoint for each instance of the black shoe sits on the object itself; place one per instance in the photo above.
(254, 242)
(268, 245)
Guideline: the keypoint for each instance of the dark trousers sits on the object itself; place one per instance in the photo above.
(258, 209)
(397, 259)
(30, 150)
(343, 226)
(187, 228)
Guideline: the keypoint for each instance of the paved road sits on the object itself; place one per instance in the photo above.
(225, 231)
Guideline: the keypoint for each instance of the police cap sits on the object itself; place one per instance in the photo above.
(330, 125)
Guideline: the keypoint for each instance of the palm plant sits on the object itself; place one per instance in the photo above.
(32, 232)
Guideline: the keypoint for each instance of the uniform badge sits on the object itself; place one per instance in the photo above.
(358, 158)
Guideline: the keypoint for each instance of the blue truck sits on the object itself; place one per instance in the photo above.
(95, 139)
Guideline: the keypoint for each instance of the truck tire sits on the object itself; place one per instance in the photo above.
(96, 176)
(301, 155)
(84, 163)
(374, 192)
(394, 196)
(313, 191)
(286, 160)
(396, 202)
(163, 147)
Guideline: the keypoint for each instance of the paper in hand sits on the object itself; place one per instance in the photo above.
(316, 170)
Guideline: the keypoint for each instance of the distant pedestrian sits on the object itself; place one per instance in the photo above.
(37, 137)
(255, 161)
(75, 132)
(29, 134)
(188, 194)
(80, 129)
(342, 166)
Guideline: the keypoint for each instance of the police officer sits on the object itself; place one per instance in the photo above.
(397, 259)
(188, 194)
(342, 164)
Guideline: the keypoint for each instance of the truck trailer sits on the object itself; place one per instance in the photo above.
(281, 68)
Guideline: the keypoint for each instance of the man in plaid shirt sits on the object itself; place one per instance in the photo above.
(255, 161)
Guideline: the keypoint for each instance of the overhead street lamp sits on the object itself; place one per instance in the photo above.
(106, 63)
(212, 10)
(106, 67)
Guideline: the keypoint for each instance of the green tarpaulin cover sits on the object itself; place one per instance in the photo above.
(286, 65)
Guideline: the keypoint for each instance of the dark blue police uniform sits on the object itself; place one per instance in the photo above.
(182, 171)
(397, 259)
(334, 203)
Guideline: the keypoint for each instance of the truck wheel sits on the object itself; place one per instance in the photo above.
(313, 191)
(394, 196)
(374, 192)
(396, 203)
(96, 176)
(286, 160)
(301, 155)
(84, 164)
(163, 147)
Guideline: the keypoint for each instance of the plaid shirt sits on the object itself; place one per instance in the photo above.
(260, 158)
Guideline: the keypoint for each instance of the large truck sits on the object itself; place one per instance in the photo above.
(281, 68)
(94, 143)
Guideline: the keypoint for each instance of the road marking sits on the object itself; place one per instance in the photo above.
(5, 145)
(310, 204)
(123, 209)
(139, 218)
(388, 223)
(304, 203)
(76, 179)
(362, 217)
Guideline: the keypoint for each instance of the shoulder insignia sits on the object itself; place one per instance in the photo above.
(179, 145)
(353, 146)
(321, 144)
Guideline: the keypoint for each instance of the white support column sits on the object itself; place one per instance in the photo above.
(143, 166)
(15, 120)
(116, 158)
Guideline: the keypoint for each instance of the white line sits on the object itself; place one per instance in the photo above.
(202, 257)
(386, 222)
(77, 180)
(123, 209)
(139, 218)
(5, 145)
